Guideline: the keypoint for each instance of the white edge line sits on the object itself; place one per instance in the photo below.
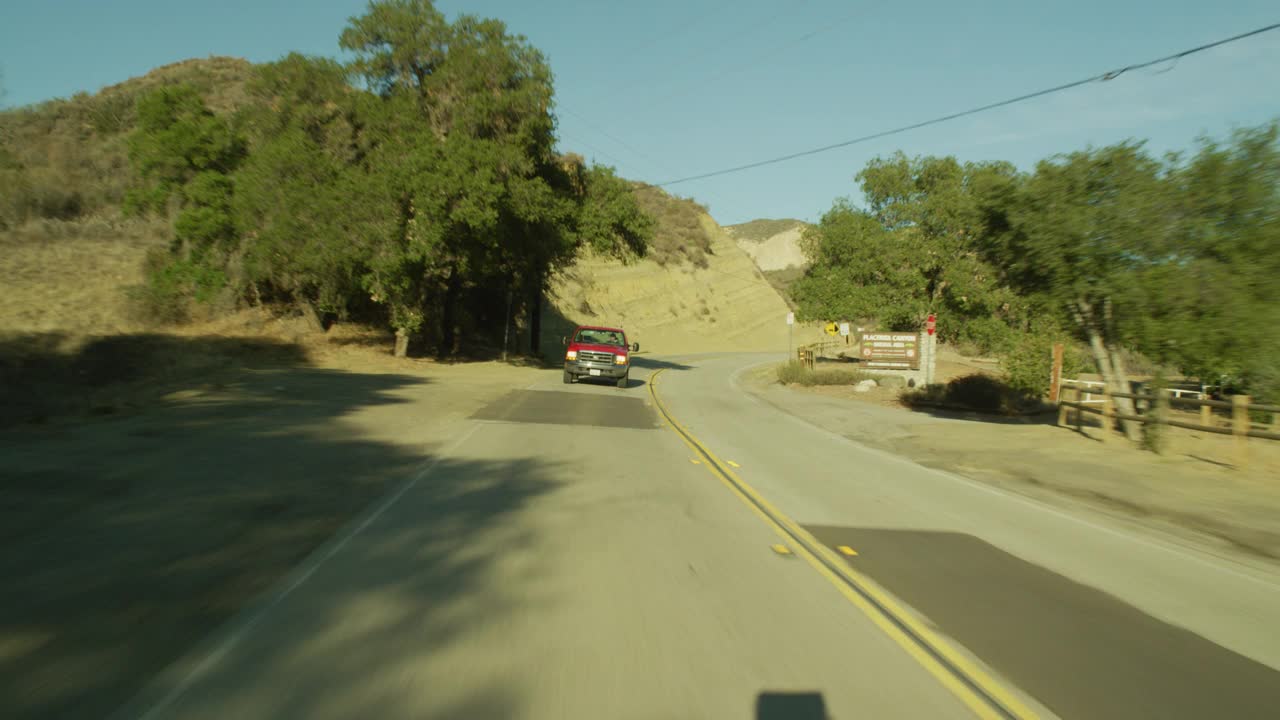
(1177, 548)
(232, 633)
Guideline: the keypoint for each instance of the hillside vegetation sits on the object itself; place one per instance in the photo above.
(763, 229)
(210, 186)
(434, 202)
(68, 158)
(680, 234)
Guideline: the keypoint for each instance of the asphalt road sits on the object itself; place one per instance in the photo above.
(708, 556)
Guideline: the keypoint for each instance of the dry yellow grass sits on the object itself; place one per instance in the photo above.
(70, 277)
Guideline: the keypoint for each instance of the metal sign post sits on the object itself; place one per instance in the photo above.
(930, 348)
(791, 323)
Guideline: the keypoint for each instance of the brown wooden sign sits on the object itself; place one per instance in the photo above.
(892, 350)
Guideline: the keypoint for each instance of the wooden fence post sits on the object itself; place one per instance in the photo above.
(1206, 416)
(1062, 411)
(1055, 375)
(1107, 410)
(1240, 428)
(1161, 418)
(1079, 410)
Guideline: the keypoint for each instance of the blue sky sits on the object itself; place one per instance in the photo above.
(663, 89)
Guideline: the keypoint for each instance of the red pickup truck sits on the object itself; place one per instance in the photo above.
(598, 352)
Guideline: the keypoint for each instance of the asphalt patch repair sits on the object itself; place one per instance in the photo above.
(570, 408)
(1079, 651)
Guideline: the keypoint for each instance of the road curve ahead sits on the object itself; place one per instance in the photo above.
(681, 549)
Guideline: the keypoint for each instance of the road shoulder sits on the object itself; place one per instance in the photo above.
(1231, 514)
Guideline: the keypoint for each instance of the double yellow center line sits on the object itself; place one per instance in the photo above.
(973, 686)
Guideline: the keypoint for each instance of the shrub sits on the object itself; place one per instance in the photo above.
(1153, 433)
(1028, 363)
(983, 335)
(979, 392)
(798, 373)
(172, 289)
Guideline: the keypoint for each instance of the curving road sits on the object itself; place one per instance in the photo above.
(687, 549)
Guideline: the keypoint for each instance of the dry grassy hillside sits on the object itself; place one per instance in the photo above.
(726, 306)
(67, 158)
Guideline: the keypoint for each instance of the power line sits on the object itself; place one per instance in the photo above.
(702, 51)
(685, 26)
(1103, 77)
(622, 143)
(755, 59)
(566, 141)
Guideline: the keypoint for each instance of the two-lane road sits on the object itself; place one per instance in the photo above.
(571, 555)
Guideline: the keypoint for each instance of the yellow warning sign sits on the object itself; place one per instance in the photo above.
(833, 329)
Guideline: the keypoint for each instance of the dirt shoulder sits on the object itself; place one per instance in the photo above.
(129, 536)
(1191, 491)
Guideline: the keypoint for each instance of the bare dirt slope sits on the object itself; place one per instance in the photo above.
(727, 306)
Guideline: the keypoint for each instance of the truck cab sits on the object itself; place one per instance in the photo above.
(598, 352)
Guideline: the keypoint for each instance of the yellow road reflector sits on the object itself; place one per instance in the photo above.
(695, 461)
(733, 463)
(846, 550)
(781, 549)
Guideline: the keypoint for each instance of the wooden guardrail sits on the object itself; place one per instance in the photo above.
(1241, 427)
(806, 355)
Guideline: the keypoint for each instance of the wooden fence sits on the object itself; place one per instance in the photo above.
(1158, 411)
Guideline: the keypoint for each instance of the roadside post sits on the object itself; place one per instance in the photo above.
(791, 324)
(931, 349)
(1240, 428)
(1055, 375)
(1108, 409)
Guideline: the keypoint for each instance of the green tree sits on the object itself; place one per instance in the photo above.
(918, 248)
(310, 208)
(176, 138)
(1086, 229)
(1214, 299)
(610, 221)
(463, 140)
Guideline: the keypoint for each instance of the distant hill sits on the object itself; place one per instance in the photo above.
(719, 301)
(774, 245)
(762, 229)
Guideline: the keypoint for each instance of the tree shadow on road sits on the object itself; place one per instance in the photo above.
(129, 538)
